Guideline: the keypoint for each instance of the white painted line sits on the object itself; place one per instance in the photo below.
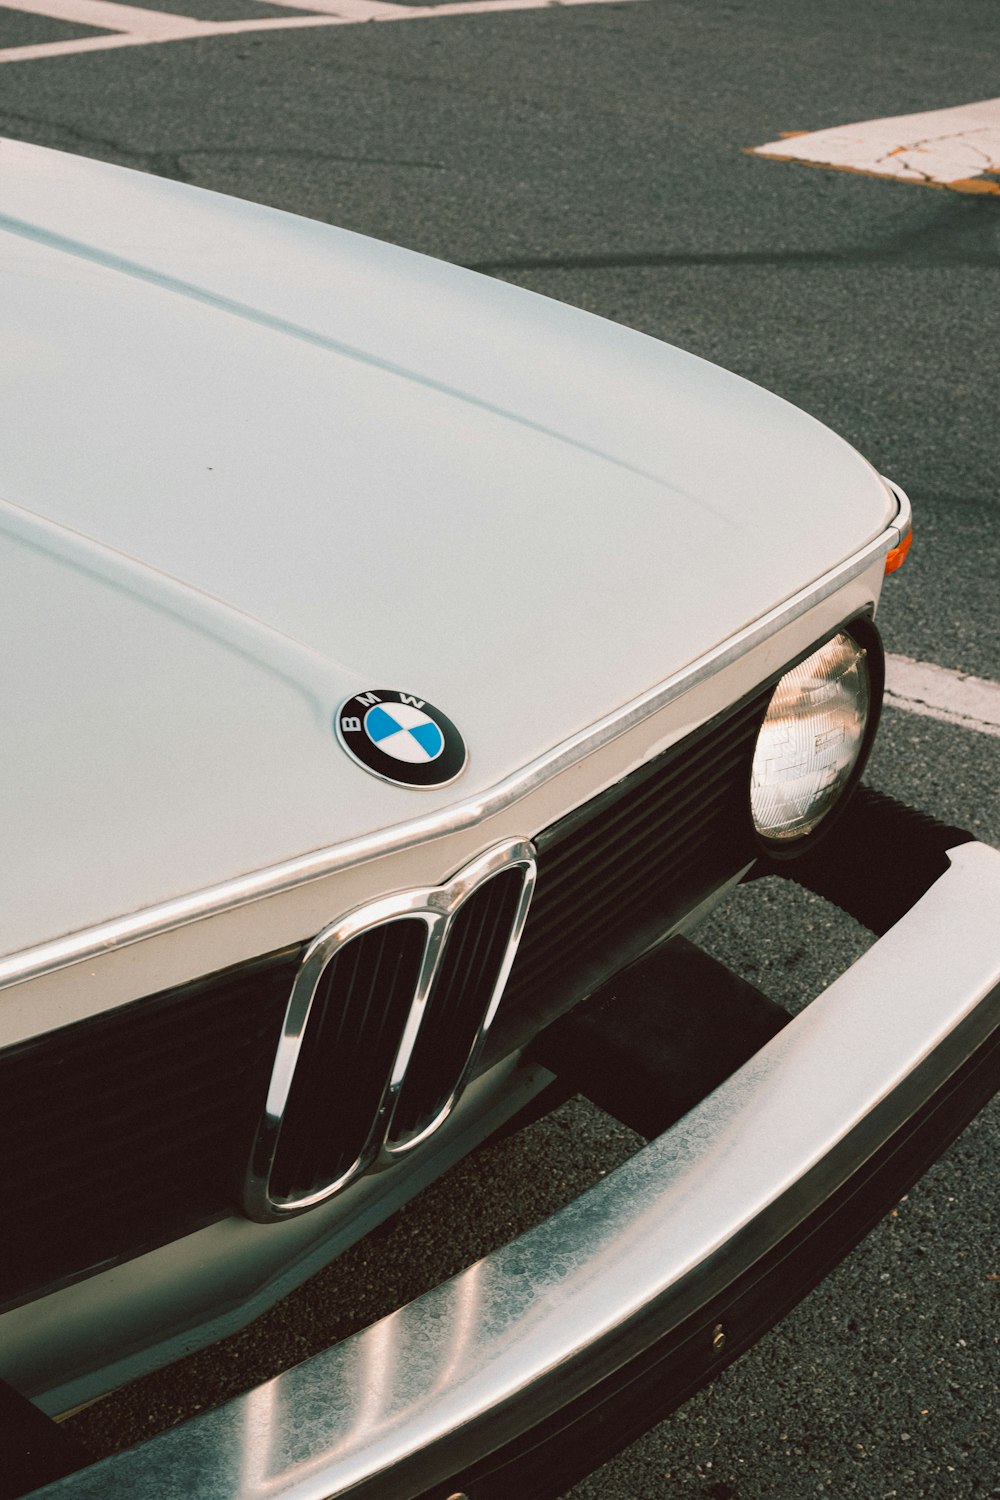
(919, 687)
(152, 25)
(79, 44)
(957, 148)
(340, 13)
(474, 7)
(350, 10)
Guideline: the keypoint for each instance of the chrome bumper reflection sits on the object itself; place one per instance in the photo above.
(476, 1361)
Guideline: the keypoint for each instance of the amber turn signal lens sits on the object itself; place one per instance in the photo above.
(897, 557)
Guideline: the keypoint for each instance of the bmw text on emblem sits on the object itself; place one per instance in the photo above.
(401, 738)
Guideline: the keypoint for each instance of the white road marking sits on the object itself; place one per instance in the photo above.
(919, 687)
(154, 24)
(130, 27)
(350, 10)
(955, 148)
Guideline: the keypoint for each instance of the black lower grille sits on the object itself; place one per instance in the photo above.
(131, 1129)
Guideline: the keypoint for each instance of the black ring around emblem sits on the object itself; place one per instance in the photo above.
(417, 745)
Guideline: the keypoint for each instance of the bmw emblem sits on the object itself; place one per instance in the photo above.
(401, 738)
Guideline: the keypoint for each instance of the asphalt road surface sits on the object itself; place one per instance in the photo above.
(598, 153)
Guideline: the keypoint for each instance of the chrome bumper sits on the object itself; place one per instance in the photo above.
(663, 1260)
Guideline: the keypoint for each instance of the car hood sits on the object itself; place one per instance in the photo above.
(253, 465)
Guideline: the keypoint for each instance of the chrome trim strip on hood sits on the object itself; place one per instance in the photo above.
(93, 942)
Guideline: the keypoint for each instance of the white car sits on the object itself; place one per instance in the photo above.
(397, 666)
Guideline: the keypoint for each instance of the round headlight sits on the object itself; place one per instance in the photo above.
(810, 741)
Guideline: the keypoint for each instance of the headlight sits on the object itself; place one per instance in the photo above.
(811, 740)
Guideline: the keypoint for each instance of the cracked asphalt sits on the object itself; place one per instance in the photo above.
(598, 155)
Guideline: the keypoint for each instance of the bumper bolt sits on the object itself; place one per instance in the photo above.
(718, 1338)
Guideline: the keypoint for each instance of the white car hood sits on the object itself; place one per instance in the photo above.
(252, 465)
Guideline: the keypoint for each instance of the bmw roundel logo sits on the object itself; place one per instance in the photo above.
(401, 738)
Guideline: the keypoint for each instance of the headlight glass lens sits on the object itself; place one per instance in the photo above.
(810, 740)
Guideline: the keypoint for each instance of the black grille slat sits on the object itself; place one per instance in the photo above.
(361, 1004)
(683, 764)
(662, 838)
(459, 997)
(104, 1160)
(131, 1092)
(609, 899)
(669, 794)
(631, 863)
(664, 842)
(608, 906)
(686, 817)
(691, 819)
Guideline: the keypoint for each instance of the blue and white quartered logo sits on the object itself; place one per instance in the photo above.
(404, 732)
(401, 738)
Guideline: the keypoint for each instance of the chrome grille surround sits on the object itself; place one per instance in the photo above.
(436, 907)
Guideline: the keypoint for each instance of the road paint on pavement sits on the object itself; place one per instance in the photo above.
(919, 687)
(105, 15)
(944, 148)
(132, 26)
(349, 10)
